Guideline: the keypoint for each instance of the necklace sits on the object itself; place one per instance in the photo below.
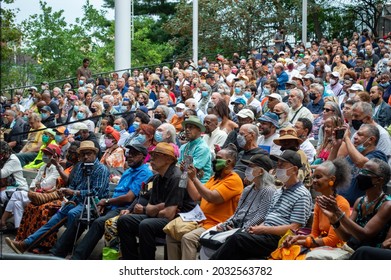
(369, 204)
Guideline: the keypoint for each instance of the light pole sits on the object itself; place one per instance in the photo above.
(304, 23)
(195, 32)
(122, 35)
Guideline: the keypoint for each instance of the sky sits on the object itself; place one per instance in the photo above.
(72, 8)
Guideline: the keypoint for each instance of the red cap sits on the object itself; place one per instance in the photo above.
(52, 149)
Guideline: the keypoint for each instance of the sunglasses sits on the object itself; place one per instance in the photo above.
(328, 110)
(368, 172)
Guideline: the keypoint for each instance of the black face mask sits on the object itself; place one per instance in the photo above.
(357, 124)
(312, 96)
(157, 116)
(93, 110)
(364, 182)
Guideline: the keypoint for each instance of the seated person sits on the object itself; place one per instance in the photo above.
(370, 220)
(114, 155)
(372, 253)
(290, 209)
(47, 139)
(163, 206)
(77, 191)
(254, 201)
(45, 181)
(328, 177)
(124, 194)
(219, 199)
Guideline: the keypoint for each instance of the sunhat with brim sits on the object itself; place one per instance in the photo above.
(289, 156)
(50, 131)
(78, 126)
(289, 133)
(165, 149)
(259, 160)
(52, 149)
(194, 121)
(87, 145)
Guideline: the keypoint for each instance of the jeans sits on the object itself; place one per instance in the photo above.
(26, 158)
(72, 213)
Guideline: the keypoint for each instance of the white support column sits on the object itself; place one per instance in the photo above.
(195, 32)
(122, 35)
(304, 23)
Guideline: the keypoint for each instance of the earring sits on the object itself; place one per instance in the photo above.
(331, 183)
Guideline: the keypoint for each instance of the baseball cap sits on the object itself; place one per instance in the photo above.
(32, 88)
(204, 70)
(335, 74)
(181, 106)
(288, 156)
(309, 76)
(46, 109)
(281, 53)
(52, 149)
(78, 126)
(356, 87)
(239, 101)
(260, 160)
(291, 83)
(276, 96)
(61, 130)
(246, 113)
(139, 148)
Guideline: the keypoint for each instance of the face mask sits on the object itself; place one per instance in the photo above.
(80, 115)
(249, 174)
(354, 54)
(204, 93)
(106, 106)
(299, 61)
(44, 115)
(312, 96)
(157, 116)
(333, 82)
(124, 108)
(384, 85)
(25, 118)
(247, 94)
(93, 110)
(108, 142)
(361, 148)
(76, 108)
(281, 174)
(266, 91)
(46, 159)
(219, 120)
(45, 138)
(71, 157)
(158, 136)
(237, 90)
(117, 127)
(165, 86)
(317, 68)
(241, 141)
(236, 109)
(141, 103)
(219, 164)
(58, 138)
(356, 124)
(376, 100)
(136, 125)
(301, 50)
(81, 82)
(141, 138)
(179, 114)
(290, 67)
(364, 182)
(320, 52)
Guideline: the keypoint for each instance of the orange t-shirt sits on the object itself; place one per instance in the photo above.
(230, 188)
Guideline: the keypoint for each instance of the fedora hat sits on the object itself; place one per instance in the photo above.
(87, 145)
(164, 148)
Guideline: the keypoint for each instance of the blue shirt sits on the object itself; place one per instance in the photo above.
(132, 180)
(202, 158)
(99, 181)
(316, 108)
(281, 80)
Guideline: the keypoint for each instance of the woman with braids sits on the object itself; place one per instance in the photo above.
(327, 178)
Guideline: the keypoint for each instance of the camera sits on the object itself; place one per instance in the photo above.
(88, 168)
(339, 133)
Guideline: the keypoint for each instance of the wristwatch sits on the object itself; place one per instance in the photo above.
(107, 201)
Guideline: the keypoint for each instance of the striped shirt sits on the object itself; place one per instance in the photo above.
(292, 205)
(99, 181)
(252, 207)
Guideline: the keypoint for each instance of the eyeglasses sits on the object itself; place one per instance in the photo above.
(368, 172)
(328, 110)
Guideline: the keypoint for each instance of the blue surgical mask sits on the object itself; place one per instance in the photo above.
(361, 147)
(140, 139)
(237, 90)
(204, 93)
(58, 138)
(124, 108)
(76, 108)
(80, 116)
(81, 82)
(44, 115)
(241, 141)
(158, 136)
(247, 94)
(384, 85)
(117, 127)
(179, 114)
(25, 118)
(266, 91)
(136, 125)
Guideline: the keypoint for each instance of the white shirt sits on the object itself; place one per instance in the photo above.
(257, 104)
(268, 144)
(124, 135)
(217, 137)
(308, 149)
(301, 112)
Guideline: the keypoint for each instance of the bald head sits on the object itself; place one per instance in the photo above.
(210, 123)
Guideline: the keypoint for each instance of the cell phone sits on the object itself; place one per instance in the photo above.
(339, 133)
